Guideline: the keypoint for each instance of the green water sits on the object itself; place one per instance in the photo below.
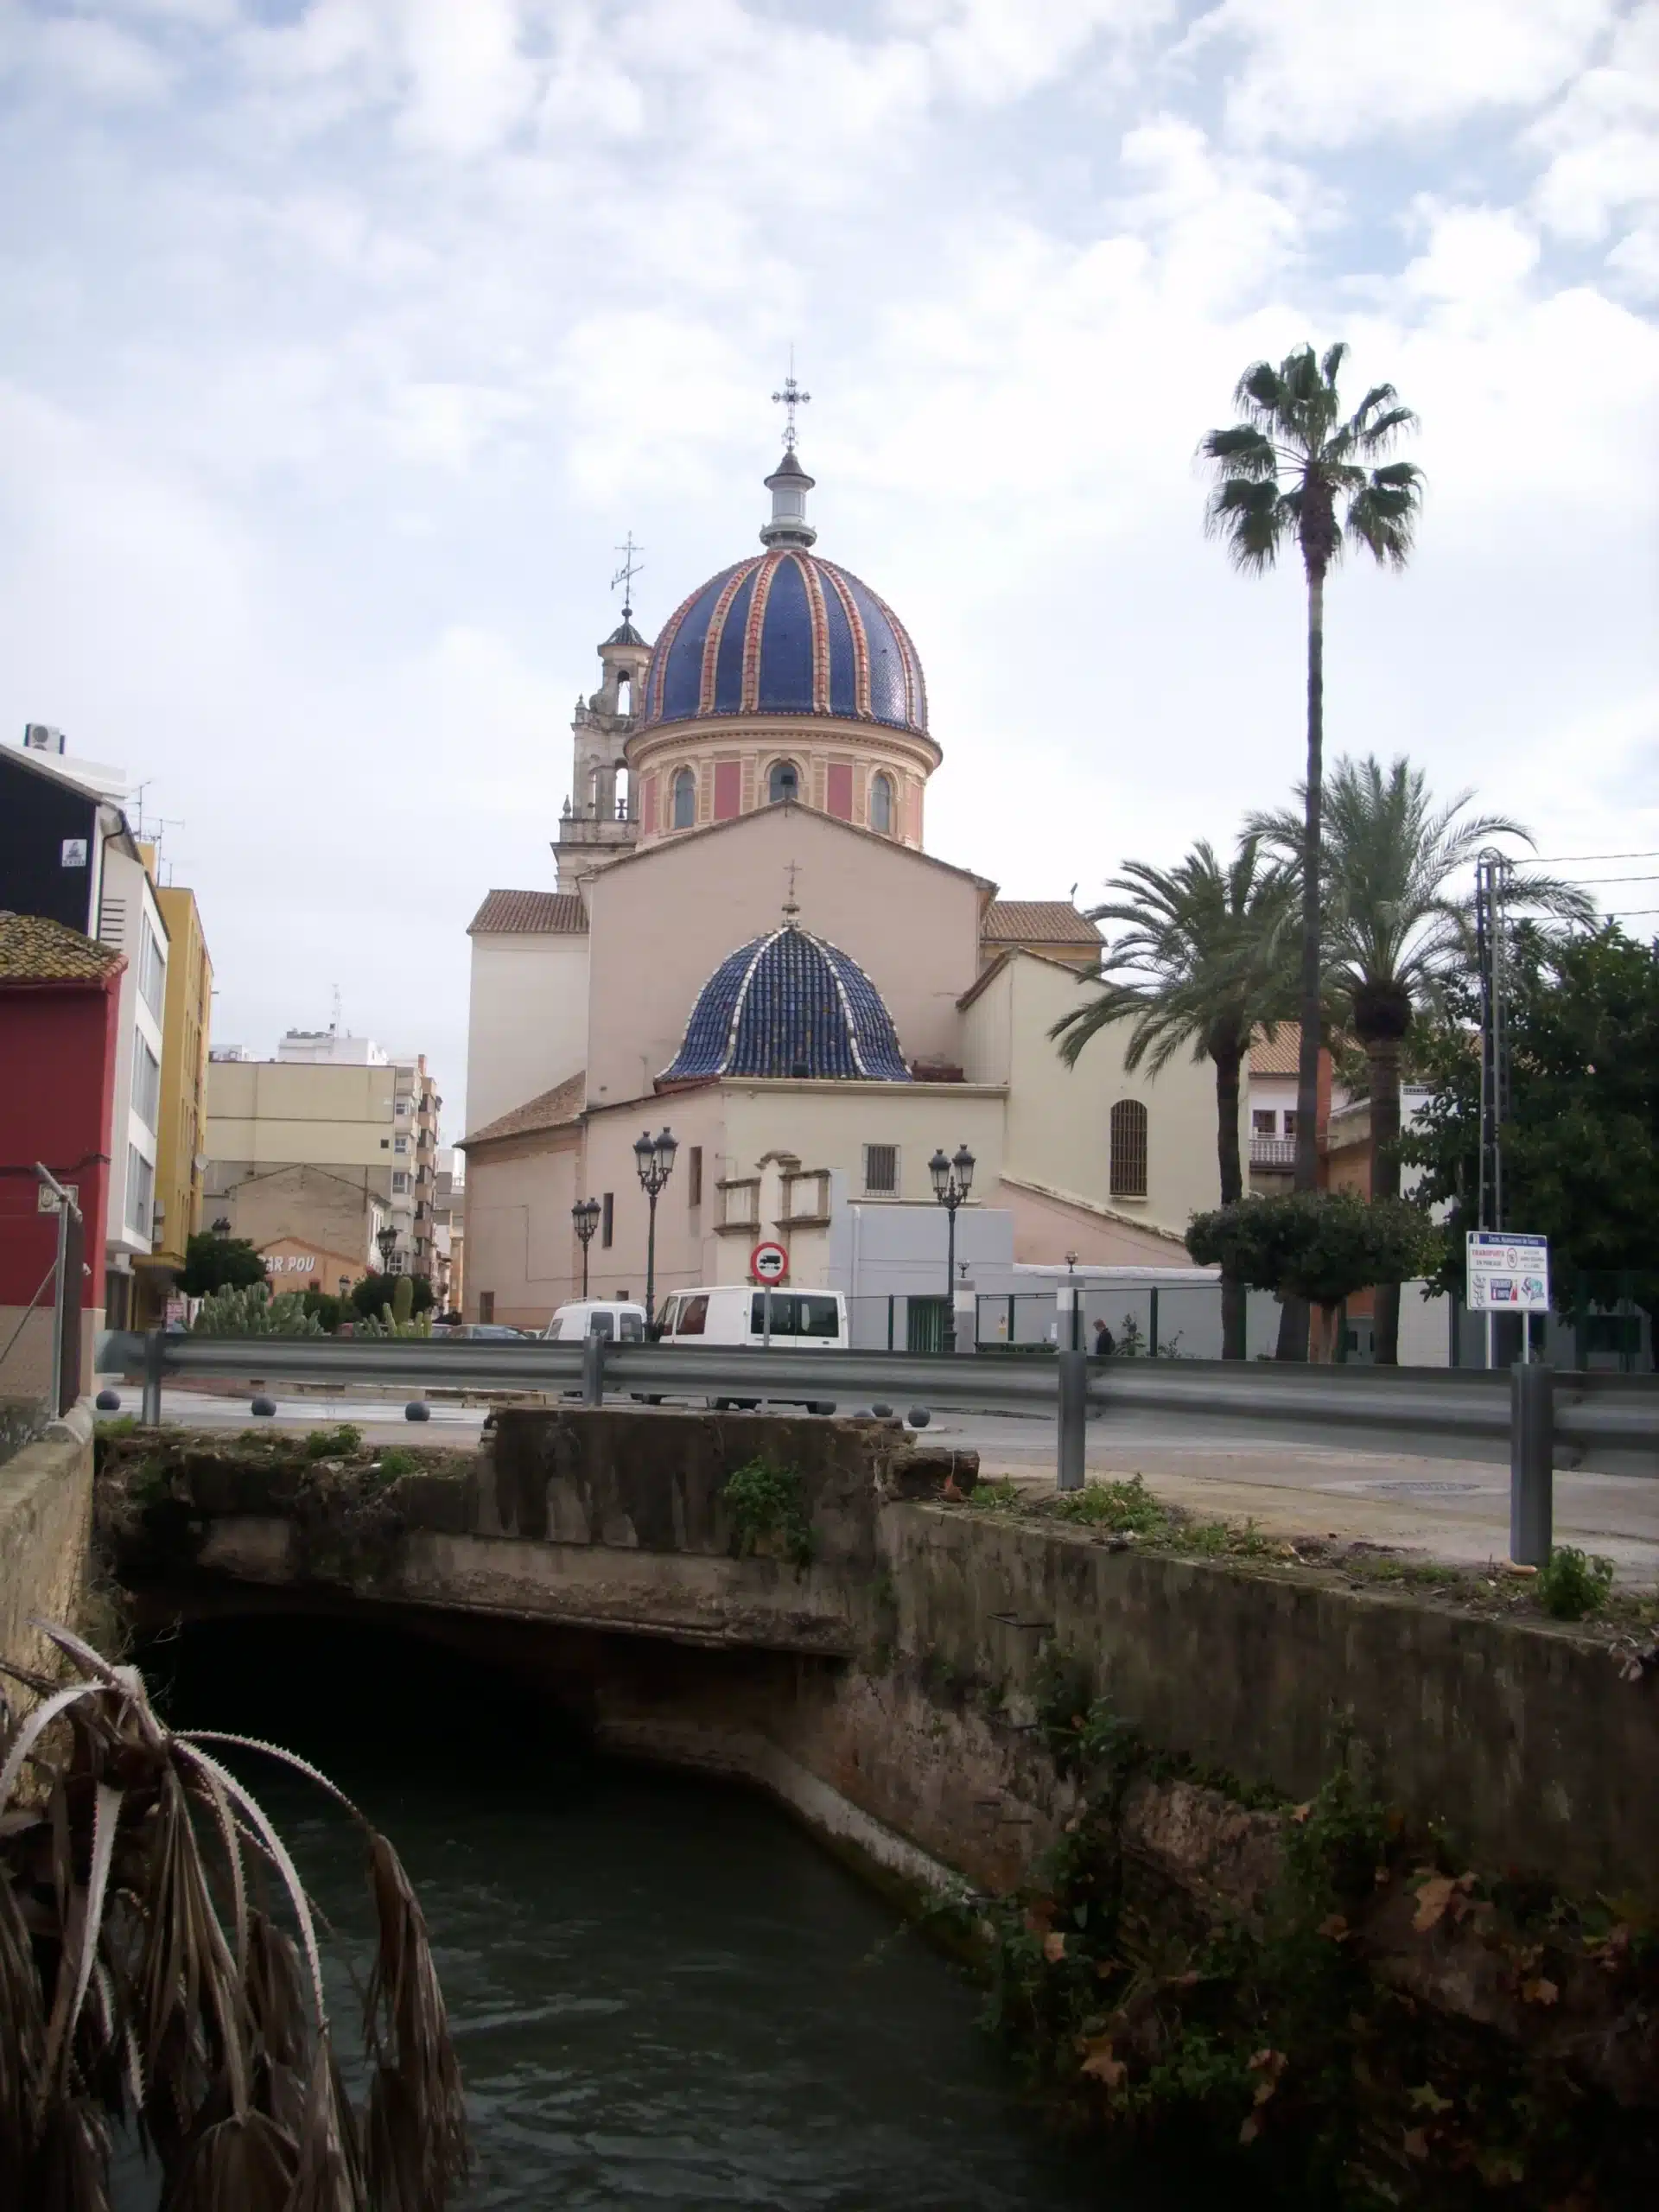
(663, 1992)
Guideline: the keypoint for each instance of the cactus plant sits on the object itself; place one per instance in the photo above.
(253, 1312)
(403, 1303)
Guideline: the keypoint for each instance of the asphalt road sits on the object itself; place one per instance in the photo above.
(1454, 1510)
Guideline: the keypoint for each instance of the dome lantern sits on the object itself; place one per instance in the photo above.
(789, 485)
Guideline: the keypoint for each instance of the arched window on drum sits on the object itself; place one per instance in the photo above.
(685, 800)
(784, 783)
(881, 805)
(1129, 1143)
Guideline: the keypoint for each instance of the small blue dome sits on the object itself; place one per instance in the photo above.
(785, 633)
(786, 1005)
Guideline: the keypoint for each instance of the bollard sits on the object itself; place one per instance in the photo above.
(150, 1413)
(1532, 1450)
(593, 1370)
(1073, 1416)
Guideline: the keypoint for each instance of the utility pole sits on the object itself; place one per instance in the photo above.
(1494, 874)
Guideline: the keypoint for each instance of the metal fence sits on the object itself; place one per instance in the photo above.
(1537, 1418)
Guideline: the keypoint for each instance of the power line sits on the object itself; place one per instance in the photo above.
(1589, 882)
(1536, 860)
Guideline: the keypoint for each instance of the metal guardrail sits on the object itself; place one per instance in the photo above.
(1536, 1416)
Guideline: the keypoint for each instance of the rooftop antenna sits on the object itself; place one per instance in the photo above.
(789, 399)
(625, 576)
(334, 1025)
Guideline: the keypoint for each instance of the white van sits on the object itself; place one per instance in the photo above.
(737, 1313)
(597, 1317)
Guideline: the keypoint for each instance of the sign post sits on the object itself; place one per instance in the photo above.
(1507, 1273)
(768, 1265)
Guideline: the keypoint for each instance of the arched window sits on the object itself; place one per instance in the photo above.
(881, 805)
(1128, 1149)
(784, 783)
(685, 800)
(623, 692)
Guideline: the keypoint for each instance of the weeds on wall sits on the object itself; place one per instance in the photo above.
(1268, 2038)
(763, 1504)
(1572, 1586)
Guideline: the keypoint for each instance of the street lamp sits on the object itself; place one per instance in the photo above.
(952, 1179)
(222, 1227)
(387, 1240)
(654, 1158)
(585, 1214)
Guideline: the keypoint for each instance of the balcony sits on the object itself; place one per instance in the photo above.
(1274, 1154)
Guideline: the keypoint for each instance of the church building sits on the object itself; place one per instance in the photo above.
(748, 941)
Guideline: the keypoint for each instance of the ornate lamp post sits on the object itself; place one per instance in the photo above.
(585, 1214)
(654, 1158)
(222, 1227)
(952, 1180)
(387, 1240)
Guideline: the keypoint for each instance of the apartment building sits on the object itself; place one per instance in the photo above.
(181, 1157)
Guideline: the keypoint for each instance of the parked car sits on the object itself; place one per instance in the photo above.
(494, 1329)
(623, 1322)
(736, 1313)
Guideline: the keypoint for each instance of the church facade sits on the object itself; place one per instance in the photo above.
(748, 941)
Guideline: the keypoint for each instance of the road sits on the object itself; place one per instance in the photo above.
(1453, 1510)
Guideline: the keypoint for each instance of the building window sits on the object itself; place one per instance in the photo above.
(400, 1178)
(1261, 1123)
(487, 1306)
(400, 1144)
(1128, 1136)
(881, 805)
(694, 1176)
(141, 1190)
(146, 1083)
(882, 1170)
(403, 1105)
(685, 800)
(784, 783)
(152, 970)
(606, 1219)
(1290, 1122)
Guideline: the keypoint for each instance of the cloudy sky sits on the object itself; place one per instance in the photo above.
(343, 340)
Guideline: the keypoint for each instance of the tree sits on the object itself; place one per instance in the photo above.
(1582, 1141)
(1203, 961)
(1321, 1246)
(1395, 933)
(218, 1263)
(147, 1986)
(375, 1294)
(1281, 475)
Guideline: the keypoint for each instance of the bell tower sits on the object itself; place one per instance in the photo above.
(600, 820)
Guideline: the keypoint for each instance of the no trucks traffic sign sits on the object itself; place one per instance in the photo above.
(769, 1263)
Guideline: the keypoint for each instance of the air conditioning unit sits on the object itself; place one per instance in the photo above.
(39, 737)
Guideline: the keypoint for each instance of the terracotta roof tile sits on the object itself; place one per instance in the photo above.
(1036, 921)
(1276, 1055)
(552, 1109)
(36, 951)
(556, 913)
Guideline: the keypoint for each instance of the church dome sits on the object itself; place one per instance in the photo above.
(785, 633)
(790, 1005)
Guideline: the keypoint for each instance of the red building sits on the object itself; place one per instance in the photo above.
(59, 994)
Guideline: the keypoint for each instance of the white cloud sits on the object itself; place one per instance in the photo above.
(1337, 73)
(83, 57)
(1475, 256)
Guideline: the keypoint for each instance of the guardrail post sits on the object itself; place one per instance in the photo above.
(593, 1370)
(154, 1345)
(1073, 1396)
(1532, 1440)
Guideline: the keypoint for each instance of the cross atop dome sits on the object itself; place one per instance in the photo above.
(789, 399)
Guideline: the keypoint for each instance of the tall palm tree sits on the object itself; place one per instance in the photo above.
(1204, 960)
(1395, 928)
(1296, 470)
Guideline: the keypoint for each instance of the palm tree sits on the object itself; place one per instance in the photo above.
(1282, 474)
(1204, 960)
(1395, 929)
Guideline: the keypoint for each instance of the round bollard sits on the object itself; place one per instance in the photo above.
(417, 1409)
(108, 1401)
(264, 1408)
(881, 1411)
(918, 1416)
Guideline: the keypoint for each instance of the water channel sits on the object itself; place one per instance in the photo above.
(663, 1992)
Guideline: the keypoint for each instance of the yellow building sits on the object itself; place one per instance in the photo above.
(181, 1135)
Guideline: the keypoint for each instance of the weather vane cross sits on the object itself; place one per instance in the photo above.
(625, 576)
(789, 398)
(792, 907)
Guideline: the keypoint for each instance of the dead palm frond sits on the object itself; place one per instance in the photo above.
(145, 1980)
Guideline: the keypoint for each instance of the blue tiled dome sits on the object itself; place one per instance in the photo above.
(785, 633)
(788, 1004)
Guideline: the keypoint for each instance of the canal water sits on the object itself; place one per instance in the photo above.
(663, 1993)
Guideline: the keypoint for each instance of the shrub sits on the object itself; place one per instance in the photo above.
(1572, 1584)
(376, 1293)
(764, 1504)
(334, 1443)
(1320, 1245)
